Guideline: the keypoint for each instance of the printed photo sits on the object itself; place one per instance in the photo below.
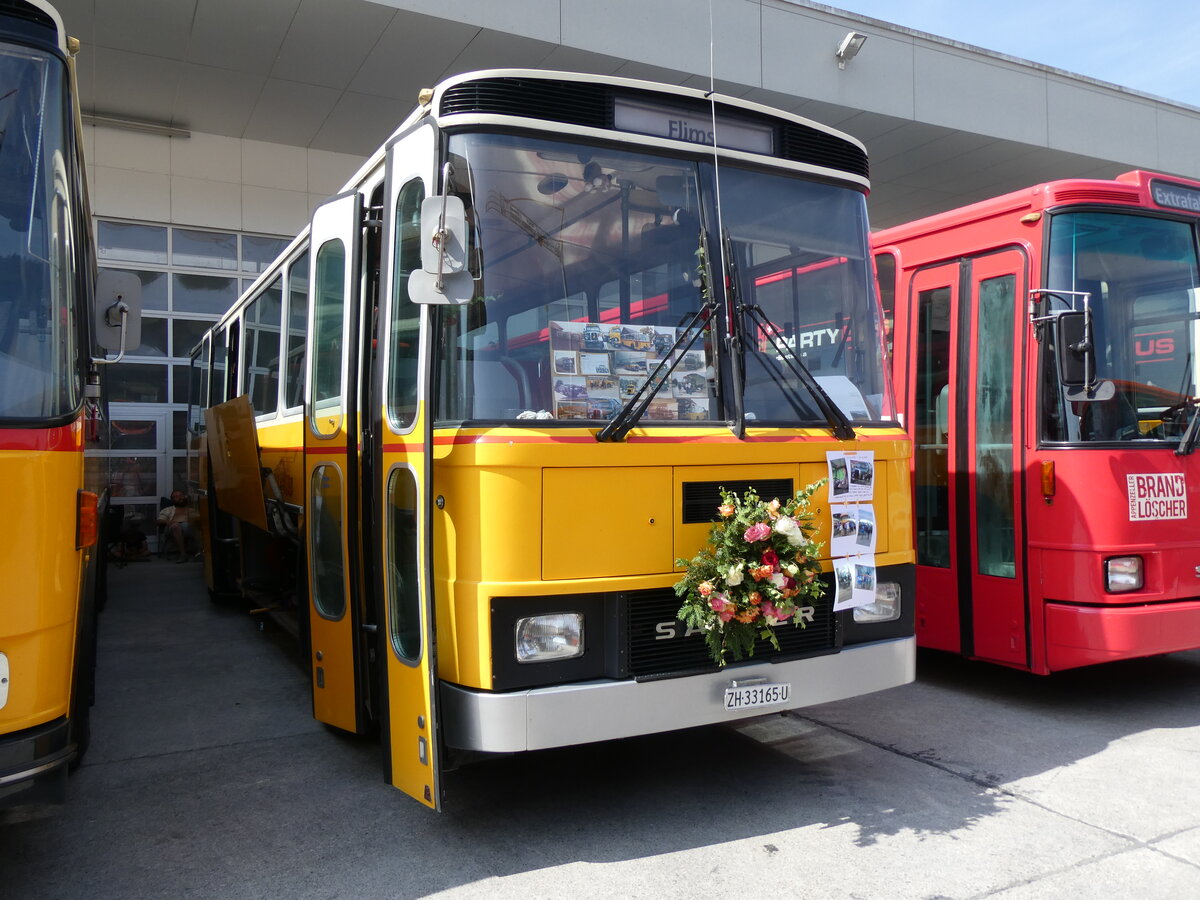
(866, 527)
(693, 410)
(565, 362)
(594, 364)
(839, 480)
(862, 472)
(566, 335)
(864, 577)
(844, 524)
(601, 386)
(594, 337)
(661, 341)
(628, 362)
(602, 407)
(571, 409)
(844, 574)
(630, 386)
(570, 389)
(661, 409)
(690, 384)
(692, 361)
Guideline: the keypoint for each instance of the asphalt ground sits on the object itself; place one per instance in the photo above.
(207, 777)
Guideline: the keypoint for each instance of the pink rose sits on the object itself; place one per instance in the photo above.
(759, 532)
(770, 610)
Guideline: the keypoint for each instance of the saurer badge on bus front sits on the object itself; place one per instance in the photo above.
(1157, 496)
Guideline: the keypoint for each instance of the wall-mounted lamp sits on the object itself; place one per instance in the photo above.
(849, 47)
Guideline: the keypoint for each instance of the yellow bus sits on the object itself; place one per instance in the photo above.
(51, 500)
(496, 388)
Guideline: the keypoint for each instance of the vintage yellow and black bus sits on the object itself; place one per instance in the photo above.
(51, 500)
(498, 384)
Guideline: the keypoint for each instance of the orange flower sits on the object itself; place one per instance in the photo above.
(726, 510)
(755, 598)
(705, 588)
(748, 616)
(773, 508)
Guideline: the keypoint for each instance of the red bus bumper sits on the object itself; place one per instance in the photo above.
(1083, 635)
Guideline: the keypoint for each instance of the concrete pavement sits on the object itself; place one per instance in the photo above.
(208, 777)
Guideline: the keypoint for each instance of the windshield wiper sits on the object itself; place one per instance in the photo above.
(838, 421)
(636, 406)
(1187, 443)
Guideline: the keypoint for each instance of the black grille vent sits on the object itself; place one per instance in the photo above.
(652, 655)
(573, 102)
(808, 145)
(591, 105)
(701, 498)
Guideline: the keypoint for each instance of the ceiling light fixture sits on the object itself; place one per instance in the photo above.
(140, 125)
(849, 47)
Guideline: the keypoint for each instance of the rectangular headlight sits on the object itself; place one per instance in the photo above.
(1123, 574)
(886, 607)
(551, 637)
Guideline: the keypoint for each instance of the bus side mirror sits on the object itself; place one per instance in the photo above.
(443, 276)
(1077, 357)
(117, 312)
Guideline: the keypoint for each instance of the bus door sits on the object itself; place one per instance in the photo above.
(331, 463)
(402, 543)
(991, 521)
(964, 413)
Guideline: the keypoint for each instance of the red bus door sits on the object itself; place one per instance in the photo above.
(991, 457)
(964, 386)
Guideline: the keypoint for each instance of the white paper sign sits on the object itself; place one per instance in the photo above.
(1157, 496)
(854, 580)
(851, 475)
(852, 529)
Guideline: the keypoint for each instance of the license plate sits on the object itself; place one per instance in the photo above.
(756, 695)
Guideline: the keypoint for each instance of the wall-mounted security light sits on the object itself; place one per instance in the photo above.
(849, 47)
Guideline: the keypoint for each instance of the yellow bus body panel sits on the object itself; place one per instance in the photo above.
(42, 574)
(528, 513)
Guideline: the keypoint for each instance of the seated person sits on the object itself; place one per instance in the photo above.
(175, 520)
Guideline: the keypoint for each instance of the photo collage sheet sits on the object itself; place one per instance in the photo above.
(598, 366)
(852, 538)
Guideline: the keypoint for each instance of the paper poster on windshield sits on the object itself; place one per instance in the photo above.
(854, 580)
(585, 355)
(851, 475)
(853, 529)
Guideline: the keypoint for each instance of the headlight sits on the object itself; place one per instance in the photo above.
(886, 607)
(546, 638)
(1123, 574)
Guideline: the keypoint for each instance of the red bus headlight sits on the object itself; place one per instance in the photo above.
(1123, 574)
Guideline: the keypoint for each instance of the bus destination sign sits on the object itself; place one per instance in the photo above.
(1175, 196)
(681, 125)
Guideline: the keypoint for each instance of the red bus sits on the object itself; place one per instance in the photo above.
(1045, 351)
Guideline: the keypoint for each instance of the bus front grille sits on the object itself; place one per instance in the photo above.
(657, 646)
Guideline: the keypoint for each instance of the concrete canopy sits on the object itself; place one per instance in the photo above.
(944, 123)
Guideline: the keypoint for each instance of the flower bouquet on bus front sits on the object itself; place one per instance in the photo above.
(755, 574)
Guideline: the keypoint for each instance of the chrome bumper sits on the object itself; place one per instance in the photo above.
(604, 710)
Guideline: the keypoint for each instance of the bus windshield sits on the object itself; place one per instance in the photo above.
(588, 261)
(1142, 276)
(39, 366)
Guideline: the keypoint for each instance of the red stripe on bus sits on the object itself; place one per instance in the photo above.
(68, 438)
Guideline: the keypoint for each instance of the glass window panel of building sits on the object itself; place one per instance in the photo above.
(190, 277)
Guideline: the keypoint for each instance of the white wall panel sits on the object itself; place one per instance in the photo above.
(211, 204)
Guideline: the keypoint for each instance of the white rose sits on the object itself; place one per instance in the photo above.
(792, 569)
(787, 526)
(734, 577)
(796, 538)
(777, 580)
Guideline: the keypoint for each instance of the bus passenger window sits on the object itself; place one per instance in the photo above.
(405, 331)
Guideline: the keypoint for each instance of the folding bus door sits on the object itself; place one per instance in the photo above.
(991, 459)
(331, 462)
(932, 397)
(403, 541)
